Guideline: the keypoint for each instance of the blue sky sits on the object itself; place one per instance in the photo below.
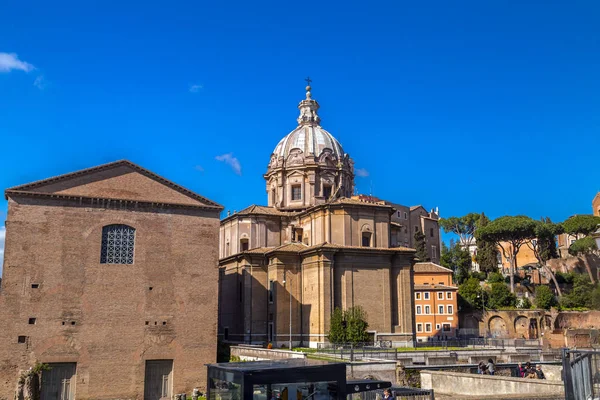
(469, 105)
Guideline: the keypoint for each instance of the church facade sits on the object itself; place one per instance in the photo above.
(286, 266)
(100, 282)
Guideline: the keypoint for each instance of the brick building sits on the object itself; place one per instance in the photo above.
(286, 266)
(110, 277)
(436, 310)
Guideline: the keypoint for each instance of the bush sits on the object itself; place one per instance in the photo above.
(564, 277)
(349, 326)
(501, 297)
(581, 293)
(495, 277)
(480, 276)
(544, 298)
(470, 294)
(524, 303)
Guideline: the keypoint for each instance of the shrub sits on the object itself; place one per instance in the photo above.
(544, 298)
(495, 277)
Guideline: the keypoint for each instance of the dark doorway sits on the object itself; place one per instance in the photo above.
(58, 383)
(158, 383)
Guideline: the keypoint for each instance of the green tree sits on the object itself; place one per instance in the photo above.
(471, 295)
(463, 226)
(356, 330)
(337, 328)
(509, 233)
(544, 246)
(421, 246)
(544, 298)
(495, 277)
(581, 248)
(458, 260)
(582, 225)
(581, 293)
(501, 296)
(487, 252)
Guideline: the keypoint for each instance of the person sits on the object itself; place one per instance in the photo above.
(521, 370)
(480, 368)
(490, 367)
(539, 373)
(387, 394)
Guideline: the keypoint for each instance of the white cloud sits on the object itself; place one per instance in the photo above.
(199, 168)
(363, 173)
(233, 162)
(196, 88)
(40, 82)
(10, 61)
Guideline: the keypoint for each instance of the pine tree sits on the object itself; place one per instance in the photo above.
(487, 253)
(421, 247)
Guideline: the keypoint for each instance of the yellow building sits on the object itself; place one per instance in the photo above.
(436, 311)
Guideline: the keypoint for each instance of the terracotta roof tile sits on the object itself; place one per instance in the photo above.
(430, 267)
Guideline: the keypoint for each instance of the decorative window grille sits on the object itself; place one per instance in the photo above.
(118, 242)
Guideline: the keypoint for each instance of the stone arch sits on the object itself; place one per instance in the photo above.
(522, 327)
(546, 323)
(497, 327)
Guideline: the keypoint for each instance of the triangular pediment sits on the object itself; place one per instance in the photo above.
(120, 180)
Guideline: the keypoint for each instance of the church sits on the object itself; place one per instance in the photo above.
(286, 266)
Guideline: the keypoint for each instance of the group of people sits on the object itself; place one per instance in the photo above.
(524, 371)
(531, 372)
(486, 369)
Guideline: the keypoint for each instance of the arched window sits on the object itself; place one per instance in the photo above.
(244, 244)
(118, 243)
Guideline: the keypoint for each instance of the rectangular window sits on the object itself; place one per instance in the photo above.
(440, 309)
(419, 310)
(419, 327)
(271, 288)
(446, 327)
(427, 310)
(405, 216)
(426, 295)
(418, 295)
(296, 192)
(327, 191)
(449, 295)
(450, 310)
(427, 327)
(398, 214)
(437, 327)
(434, 252)
(440, 295)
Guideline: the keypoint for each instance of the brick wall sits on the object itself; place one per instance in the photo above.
(108, 318)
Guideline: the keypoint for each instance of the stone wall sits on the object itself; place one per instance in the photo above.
(251, 353)
(460, 384)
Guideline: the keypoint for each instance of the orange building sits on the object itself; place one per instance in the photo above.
(436, 311)
(596, 205)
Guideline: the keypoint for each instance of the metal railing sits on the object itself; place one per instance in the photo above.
(581, 374)
(399, 393)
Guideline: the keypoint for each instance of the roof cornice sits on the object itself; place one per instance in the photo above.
(98, 200)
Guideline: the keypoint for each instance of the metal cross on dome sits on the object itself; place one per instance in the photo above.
(308, 80)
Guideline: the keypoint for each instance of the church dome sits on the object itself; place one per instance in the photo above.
(309, 136)
(311, 140)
